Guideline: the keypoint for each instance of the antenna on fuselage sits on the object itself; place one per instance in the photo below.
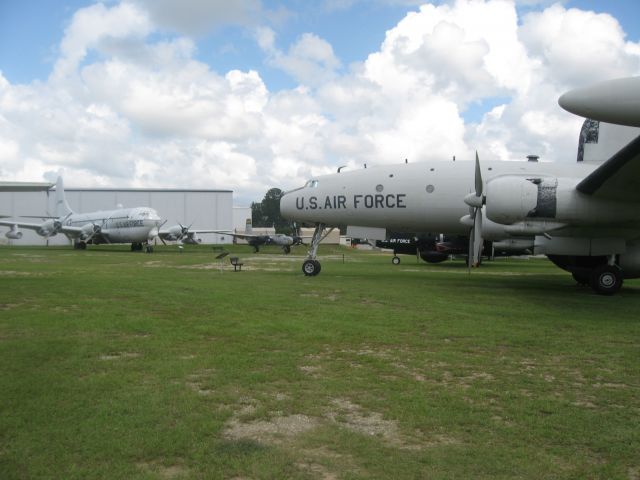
(341, 167)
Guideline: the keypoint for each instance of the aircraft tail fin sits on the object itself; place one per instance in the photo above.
(599, 141)
(62, 207)
(247, 228)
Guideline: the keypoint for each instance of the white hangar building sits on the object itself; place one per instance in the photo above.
(202, 209)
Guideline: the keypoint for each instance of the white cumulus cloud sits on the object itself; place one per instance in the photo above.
(127, 105)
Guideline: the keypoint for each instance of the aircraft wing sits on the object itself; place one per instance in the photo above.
(618, 178)
(166, 233)
(205, 231)
(28, 226)
(25, 187)
(67, 230)
(233, 234)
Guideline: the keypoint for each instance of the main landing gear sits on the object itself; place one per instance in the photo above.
(602, 274)
(311, 266)
(606, 279)
(80, 245)
(138, 247)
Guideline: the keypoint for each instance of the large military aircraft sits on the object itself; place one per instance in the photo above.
(584, 216)
(137, 226)
(256, 240)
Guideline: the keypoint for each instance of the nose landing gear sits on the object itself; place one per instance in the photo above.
(311, 266)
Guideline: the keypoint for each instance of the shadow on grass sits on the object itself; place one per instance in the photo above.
(239, 448)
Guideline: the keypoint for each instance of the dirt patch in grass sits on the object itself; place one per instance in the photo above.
(13, 273)
(9, 306)
(317, 470)
(355, 418)
(119, 356)
(196, 382)
(164, 471)
(311, 370)
(270, 431)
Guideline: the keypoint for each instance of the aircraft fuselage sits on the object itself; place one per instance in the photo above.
(128, 225)
(429, 197)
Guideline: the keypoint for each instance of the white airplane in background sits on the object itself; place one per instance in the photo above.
(137, 225)
(584, 216)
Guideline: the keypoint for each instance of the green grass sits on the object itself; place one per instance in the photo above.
(126, 365)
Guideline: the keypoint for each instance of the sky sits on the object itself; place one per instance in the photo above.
(254, 94)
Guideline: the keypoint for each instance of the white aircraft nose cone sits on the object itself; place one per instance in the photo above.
(614, 101)
(286, 206)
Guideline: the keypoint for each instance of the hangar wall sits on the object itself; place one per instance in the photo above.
(202, 209)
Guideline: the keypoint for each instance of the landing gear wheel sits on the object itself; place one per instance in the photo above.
(395, 260)
(311, 268)
(606, 279)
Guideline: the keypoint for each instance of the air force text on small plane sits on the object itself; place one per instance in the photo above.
(337, 202)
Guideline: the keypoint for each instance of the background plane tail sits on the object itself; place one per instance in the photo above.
(62, 207)
(247, 228)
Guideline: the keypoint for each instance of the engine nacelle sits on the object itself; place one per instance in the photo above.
(49, 228)
(535, 205)
(510, 199)
(89, 231)
(14, 233)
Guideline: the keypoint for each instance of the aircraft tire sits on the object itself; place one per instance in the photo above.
(311, 268)
(606, 279)
(395, 260)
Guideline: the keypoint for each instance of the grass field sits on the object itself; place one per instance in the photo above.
(126, 365)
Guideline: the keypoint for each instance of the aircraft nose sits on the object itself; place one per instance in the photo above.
(287, 207)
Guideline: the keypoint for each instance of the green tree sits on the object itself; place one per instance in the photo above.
(267, 212)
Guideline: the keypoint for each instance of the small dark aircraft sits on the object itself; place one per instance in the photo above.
(256, 240)
(434, 248)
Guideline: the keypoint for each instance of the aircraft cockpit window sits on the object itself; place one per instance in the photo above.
(311, 184)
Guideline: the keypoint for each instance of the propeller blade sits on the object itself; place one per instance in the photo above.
(478, 177)
(477, 238)
(475, 202)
